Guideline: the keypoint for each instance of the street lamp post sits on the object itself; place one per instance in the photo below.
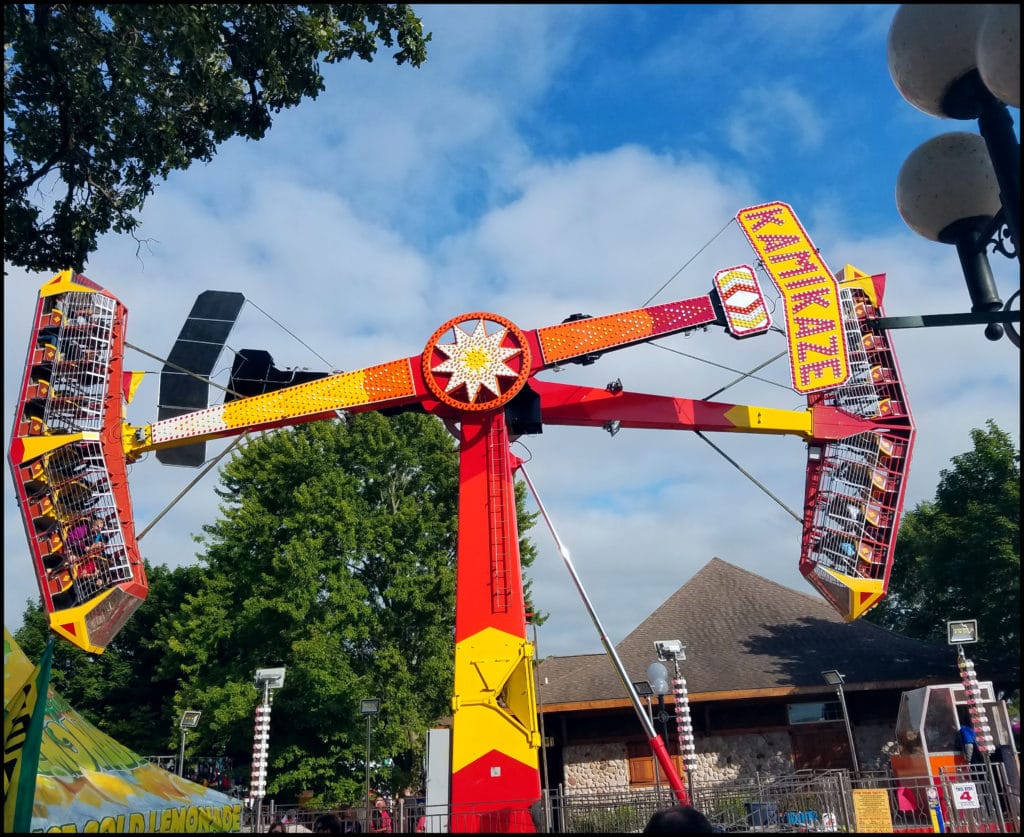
(674, 650)
(959, 61)
(189, 720)
(643, 689)
(657, 676)
(368, 707)
(834, 678)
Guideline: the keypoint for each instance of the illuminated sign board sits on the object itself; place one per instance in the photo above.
(746, 311)
(810, 295)
(961, 631)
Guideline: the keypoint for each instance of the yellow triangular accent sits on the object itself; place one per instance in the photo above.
(133, 384)
(71, 625)
(849, 273)
(35, 446)
(852, 276)
(494, 706)
(865, 593)
(61, 283)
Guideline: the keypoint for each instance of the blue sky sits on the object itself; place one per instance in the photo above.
(548, 160)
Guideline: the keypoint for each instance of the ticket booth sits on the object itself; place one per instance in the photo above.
(927, 729)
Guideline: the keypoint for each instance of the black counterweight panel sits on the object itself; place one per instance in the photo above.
(199, 345)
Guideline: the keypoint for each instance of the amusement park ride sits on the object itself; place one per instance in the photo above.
(478, 372)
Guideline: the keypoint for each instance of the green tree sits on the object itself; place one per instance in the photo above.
(958, 556)
(122, 690)
(334, 556)
(101, 100)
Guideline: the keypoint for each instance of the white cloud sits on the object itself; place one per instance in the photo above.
(769, 114)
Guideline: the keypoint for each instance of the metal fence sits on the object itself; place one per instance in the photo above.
(973, 799)
(967, 799)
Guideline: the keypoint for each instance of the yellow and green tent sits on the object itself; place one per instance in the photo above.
(63, 775)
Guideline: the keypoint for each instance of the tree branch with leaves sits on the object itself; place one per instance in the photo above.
(103, 101)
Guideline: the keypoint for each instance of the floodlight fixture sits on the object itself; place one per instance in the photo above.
(962, 630)
(670, 649)
(833, 677)
(643, 688)
(190, 719)
(369, 706)
(269, 678)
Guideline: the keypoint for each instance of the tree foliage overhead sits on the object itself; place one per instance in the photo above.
(958, 556)
(102, 100)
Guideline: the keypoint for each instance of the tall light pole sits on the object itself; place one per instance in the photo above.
(657, 676)
(834, 678)
(958, 632)
(368, 707)
(674, 650)
(267, 679)
(189, 720)
(959, 61)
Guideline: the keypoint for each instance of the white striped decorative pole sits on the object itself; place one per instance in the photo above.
(687, 748)
(260, 754)
(979, 717)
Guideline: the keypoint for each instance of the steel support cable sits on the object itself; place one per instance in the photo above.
(209, 382)
(288, 331)
(182, 369)
(657, 744)
(212, 463)
(209, 466)
(742, 376)
(687, 263)
(750, 477)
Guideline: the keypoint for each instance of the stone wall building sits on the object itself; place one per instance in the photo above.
(755, 652)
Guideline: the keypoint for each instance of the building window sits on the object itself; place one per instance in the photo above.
(814, 713)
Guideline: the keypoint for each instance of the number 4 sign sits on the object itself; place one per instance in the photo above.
(965, 795)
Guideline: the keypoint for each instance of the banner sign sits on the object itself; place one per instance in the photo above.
(810, 295)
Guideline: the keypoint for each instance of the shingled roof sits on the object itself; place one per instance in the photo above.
(745, 634)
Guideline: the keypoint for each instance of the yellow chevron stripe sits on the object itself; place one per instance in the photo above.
(38, 445)
(495, 706)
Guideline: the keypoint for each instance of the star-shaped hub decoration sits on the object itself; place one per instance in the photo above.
(473, 371)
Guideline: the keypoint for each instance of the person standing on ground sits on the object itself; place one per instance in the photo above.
(968, 739)
(380, 819)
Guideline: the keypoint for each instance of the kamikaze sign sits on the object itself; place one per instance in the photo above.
(810, 295)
